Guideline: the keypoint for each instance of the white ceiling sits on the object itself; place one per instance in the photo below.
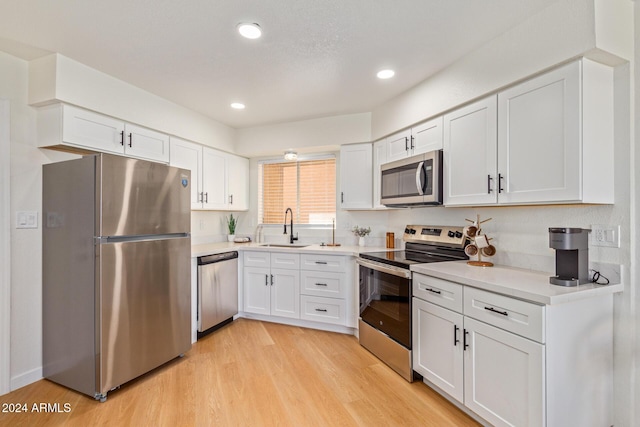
(316, 57)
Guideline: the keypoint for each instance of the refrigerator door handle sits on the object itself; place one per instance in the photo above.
(142, 238)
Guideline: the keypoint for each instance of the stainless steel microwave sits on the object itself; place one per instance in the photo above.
(414, 181)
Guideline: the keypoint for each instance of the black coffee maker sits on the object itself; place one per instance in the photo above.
(572, 256)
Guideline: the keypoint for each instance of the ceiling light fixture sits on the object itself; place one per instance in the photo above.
(385, 74)
(237, 106)
(250, 31)
(290, 155)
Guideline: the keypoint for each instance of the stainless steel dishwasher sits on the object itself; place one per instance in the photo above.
(217, 290)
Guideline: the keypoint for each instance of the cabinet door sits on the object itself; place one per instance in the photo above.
(398, 145)
(356, 176)
(146, 144)
(285, 293)
(237, 183)
(257, 290)
(437, 347)
(379, 157)
(539, 149)
(470, 154)
(503, 376)
(187, 155)
(214, 179)
(427, 136)
(94, 131)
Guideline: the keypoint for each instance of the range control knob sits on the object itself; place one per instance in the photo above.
(413, 231)
(458, 234)
(451, 234)
(407, 231)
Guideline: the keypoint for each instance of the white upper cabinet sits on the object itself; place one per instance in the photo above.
(427, 136)
(470, 154)
(419, 139)
(356, 176)
(187, 155)
(398, 145)
(554, 133)
(237, 182)
(145, 143)
(549, 140)
(70, 128)
(219, 181)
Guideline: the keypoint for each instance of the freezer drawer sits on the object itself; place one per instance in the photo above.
(145, 317)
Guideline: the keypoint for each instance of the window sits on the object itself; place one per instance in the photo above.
(308, 187)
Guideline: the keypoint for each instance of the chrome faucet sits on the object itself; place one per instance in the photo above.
(291, 238)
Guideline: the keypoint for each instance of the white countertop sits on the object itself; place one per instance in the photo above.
(216, 248)
(519, 283)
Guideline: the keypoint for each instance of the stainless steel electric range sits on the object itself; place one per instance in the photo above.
(385, 291)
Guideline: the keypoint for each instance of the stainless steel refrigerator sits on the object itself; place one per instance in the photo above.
(116, 270)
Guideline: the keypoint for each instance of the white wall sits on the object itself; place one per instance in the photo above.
(26, 194)
(326, 133)
(562, 31)
(58, 78)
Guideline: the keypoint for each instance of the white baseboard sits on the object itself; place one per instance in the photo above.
(26, 378)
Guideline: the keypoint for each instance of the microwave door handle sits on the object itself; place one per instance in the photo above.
(419, 183)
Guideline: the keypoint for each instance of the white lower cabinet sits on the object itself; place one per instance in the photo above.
(503, 376)
(310, 287)
(268, 290)
(514, 362)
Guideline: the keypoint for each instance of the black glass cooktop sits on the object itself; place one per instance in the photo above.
(404, 258)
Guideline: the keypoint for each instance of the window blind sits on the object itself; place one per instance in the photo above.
(308, 187)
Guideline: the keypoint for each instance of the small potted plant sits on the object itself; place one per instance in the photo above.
(361, 232)
(231, 225)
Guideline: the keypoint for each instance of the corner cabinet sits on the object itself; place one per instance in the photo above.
(515, 362)
(272, 283)
(219, 180)
(68, 128)
(356, 176)
(539, 141)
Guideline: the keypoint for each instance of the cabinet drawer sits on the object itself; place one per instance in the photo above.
(333, 263)
(285, 260)
(513, 315)
(323, 284)
(319, 309)
(441, 292)
(256, 259)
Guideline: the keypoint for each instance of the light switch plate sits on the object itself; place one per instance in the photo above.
(27, 219)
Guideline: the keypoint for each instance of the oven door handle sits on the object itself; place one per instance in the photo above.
(385, 268)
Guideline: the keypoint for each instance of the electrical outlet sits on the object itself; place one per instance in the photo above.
(605, 235)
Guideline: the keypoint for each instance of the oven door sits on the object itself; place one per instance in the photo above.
(385, 299)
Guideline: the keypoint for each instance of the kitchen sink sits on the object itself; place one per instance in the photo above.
(274, 245)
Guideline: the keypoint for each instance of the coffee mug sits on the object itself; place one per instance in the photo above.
(489, 250)
(471, 250)
(470, 231)
(481, 241)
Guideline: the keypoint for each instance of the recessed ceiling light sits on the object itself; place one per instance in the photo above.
(250, 31)
(237, 105)
(385, 74)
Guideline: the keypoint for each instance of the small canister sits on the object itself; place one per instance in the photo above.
(390, 240)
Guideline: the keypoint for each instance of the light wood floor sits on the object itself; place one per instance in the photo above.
(253, 373)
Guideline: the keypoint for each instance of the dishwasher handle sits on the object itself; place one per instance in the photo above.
(211, 259)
